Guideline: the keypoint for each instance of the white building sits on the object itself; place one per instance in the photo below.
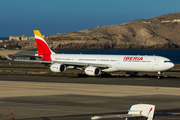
(166, 21)
(176, 20)
(19, 38)
(1, 41)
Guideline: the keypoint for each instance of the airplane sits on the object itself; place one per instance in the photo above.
(135, 112)
(96, 65)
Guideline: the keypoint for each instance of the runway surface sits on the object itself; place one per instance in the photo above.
(46, 70)
(62, 97)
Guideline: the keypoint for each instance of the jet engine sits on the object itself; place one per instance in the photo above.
(92, 71)
(57, 67)
(132, 73)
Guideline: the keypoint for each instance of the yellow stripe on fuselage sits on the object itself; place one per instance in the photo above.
(37, 33)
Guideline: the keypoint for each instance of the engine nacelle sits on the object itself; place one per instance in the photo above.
(57, 67)
(132, 73)
(92, 71)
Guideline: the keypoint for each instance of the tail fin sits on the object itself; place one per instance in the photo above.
(42, 46)
(146, 110)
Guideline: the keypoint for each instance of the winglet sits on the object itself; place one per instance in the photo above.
(143, 109)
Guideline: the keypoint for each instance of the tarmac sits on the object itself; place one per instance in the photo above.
(67, 97)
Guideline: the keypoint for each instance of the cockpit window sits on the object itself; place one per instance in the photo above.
(167, 61)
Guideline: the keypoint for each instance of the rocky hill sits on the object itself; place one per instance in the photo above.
(155, 33)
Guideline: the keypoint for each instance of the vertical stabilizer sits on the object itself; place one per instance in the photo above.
(42, 46)
(146, 110)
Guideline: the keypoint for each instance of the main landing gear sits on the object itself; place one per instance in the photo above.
(104, 74)
(160, 75)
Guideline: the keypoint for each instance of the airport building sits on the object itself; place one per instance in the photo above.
(18, 54)
(20, 38)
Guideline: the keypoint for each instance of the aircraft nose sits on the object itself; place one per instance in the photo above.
(172, 65)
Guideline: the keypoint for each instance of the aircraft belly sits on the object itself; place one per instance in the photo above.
(129, 66)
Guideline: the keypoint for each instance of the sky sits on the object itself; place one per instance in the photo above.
(21, 17)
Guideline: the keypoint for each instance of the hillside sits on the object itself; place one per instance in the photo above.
(155, 33)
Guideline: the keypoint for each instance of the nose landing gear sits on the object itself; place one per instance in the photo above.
(160, 75)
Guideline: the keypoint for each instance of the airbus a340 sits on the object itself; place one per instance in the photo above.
(95, 65)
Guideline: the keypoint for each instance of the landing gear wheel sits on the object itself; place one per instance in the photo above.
(105, 75)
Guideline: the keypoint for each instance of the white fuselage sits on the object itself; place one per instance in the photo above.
(134, 63)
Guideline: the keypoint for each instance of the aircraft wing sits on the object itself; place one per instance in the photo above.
(116, 116)
(37, 61)
(79, 64)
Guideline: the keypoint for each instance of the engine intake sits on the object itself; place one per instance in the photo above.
(58, 67)
(92, 71)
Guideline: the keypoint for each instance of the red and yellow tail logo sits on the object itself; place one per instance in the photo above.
(42, 46)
